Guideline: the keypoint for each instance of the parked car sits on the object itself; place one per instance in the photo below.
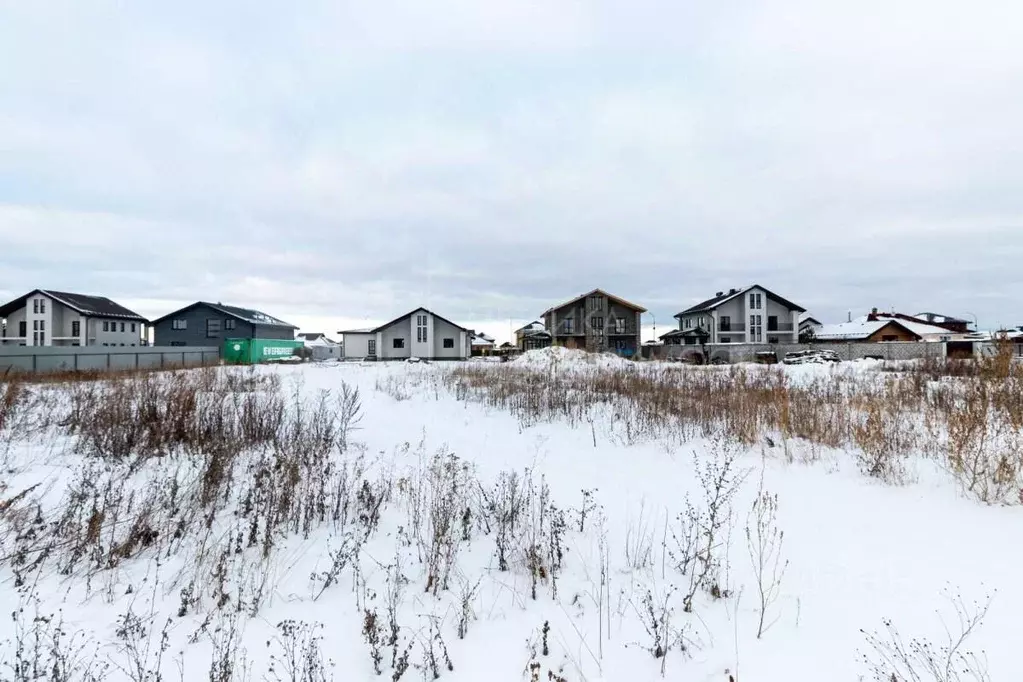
(813, 356)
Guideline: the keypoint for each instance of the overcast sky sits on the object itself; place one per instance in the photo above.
(339, 163)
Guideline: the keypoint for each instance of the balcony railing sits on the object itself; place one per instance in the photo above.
(780, 327)
(732, 327)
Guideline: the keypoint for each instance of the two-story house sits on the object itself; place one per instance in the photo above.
(58, 318)
(598, 322)
(208, 324)
(752, 314)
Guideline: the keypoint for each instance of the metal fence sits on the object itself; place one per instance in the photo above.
(103, 358)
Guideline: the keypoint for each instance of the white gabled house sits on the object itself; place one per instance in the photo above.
(752, 314)
(418, 334)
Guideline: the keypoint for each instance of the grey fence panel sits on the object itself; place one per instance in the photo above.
(889, 350)
(150, 361)
(92, 358)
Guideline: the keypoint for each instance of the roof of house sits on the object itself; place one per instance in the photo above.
(616, 299)
(863, 327)
(807, 317)
(536, 326)
(96, 306)
(935, 317)
(481, 339)
(410, 313)
(316, 339)
(695, 331)
(724, 297)
(244, 314)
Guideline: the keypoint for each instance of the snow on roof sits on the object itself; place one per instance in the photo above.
(368, 330)
(857, 329)
(925, 329)
(935, 317)
(863, 327)
(319, 341)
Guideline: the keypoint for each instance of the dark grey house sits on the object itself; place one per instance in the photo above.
(208, 324)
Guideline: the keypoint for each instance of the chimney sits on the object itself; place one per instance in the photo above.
(850, 316)
(873, 311)
(720, 293)
(732, 291)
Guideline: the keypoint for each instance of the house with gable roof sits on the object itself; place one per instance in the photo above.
(598, 322)
(419, 333)
(44, 317)
(879, 327)
(208, 324)
(750, 314)
(532, 336)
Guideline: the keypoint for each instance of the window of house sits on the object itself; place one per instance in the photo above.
(597, 323)
(889, 337)
(726, 323)
(568, 325)
(76, 328)
(229, 324)
(772, 323)
(179, 324)
(42, 305)
(371, 347)
(449, 343)
(212, 327)
(23, 329)
(133, 327)
(596, 302)
(106, 326)
(399, 343)
(35, 306)
(421, 332)
(619, 325)
(122, 326)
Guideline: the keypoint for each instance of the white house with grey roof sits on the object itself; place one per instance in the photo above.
(751, 314)
(208, 324)
(44, 317)
(420, 333)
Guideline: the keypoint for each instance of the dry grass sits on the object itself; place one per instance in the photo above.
(967, 415)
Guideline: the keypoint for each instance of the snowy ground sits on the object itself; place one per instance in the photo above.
(858, 551)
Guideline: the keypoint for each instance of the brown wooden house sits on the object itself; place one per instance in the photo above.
(597, 322)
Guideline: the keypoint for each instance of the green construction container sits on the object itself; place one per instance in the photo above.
(252, 351)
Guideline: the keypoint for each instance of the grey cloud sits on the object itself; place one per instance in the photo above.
(352, 161)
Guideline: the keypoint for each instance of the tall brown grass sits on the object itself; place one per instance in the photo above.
(966, 415)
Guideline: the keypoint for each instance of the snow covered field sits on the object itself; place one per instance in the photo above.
(494, 522)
